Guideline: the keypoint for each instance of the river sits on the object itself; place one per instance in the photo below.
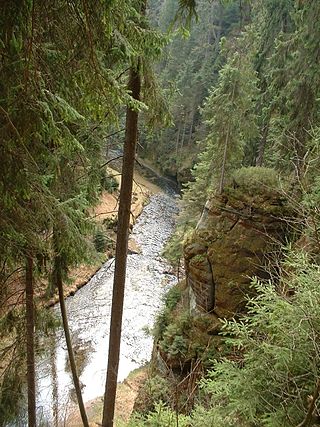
(148, 278)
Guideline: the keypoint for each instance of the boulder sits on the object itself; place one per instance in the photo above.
(236, 237)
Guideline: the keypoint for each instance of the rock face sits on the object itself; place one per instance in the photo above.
(236, 235)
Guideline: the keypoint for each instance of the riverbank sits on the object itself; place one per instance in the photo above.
(79, 276)
(127, 392)
(107, 209)
(149, 277)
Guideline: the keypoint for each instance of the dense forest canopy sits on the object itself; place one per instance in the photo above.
(230, 91)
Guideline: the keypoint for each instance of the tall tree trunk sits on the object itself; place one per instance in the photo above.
(178, 140)
(134, 86)
(262, 145)
(223, 167)
(30, 343)
(184, 130)
(72, 361)
(225, 151)
(191, 125)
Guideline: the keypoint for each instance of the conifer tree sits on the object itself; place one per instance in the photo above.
(232, 124)
(294, 84)
(52, 138)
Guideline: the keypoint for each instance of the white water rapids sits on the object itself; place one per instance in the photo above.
(148, 278)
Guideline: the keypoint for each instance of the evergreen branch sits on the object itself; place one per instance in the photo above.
(6, 114)
(30, 44)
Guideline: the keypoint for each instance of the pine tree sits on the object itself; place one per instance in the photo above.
(232, 124)
(52, 138)
(294, 82)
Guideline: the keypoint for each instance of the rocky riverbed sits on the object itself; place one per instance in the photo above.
(148, 278)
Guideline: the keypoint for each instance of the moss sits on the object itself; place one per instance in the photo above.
(257, 179)
(198, 258)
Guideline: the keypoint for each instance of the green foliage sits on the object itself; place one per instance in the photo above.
(160, 417)
(171, 300)
(101, 241)
(11, 393)
(174, 340)
(293, 80)
(156, 389)
(173, 250)
(59, 97)
(257, 180)
(109, 183)
(279, 366)
(174, 149)
(273, 359)
(263, 109)
(63, 89)
(232, 123)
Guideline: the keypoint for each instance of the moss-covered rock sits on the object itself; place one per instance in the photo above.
(236, 235)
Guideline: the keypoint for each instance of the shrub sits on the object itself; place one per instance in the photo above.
(256, 179)
(175, 340)
(100, 240)
(160, 417)
(171, 300)
(279, 368)
(108, 183)
(154, 390)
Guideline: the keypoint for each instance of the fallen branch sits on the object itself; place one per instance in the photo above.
(310, 414)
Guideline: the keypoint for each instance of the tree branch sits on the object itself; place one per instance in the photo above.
(309, 416)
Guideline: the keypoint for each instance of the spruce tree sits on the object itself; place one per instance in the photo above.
(231, 120)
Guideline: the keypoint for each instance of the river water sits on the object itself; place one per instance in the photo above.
(148, 279)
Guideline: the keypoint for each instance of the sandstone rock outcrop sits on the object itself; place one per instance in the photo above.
(236, 235)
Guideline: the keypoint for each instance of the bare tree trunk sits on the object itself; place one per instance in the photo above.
(262, 145)
(30, 343)
(184, 130)
(308, 420)
(225, 151)
(191, 125)
(121, 251)
(223, 168)
(72, 361)
(178, 140)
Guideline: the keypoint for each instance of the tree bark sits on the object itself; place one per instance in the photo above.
(225, 151)
(178, 140)
(134, 86)
(30, 343)
(72, 361)
(223, 167)
(191, 125)
(262, 145)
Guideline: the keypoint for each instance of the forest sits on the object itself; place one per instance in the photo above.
(167, 151)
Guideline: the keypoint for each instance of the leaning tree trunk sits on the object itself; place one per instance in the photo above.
(75, 377)
(134, 85)
(31, 383)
